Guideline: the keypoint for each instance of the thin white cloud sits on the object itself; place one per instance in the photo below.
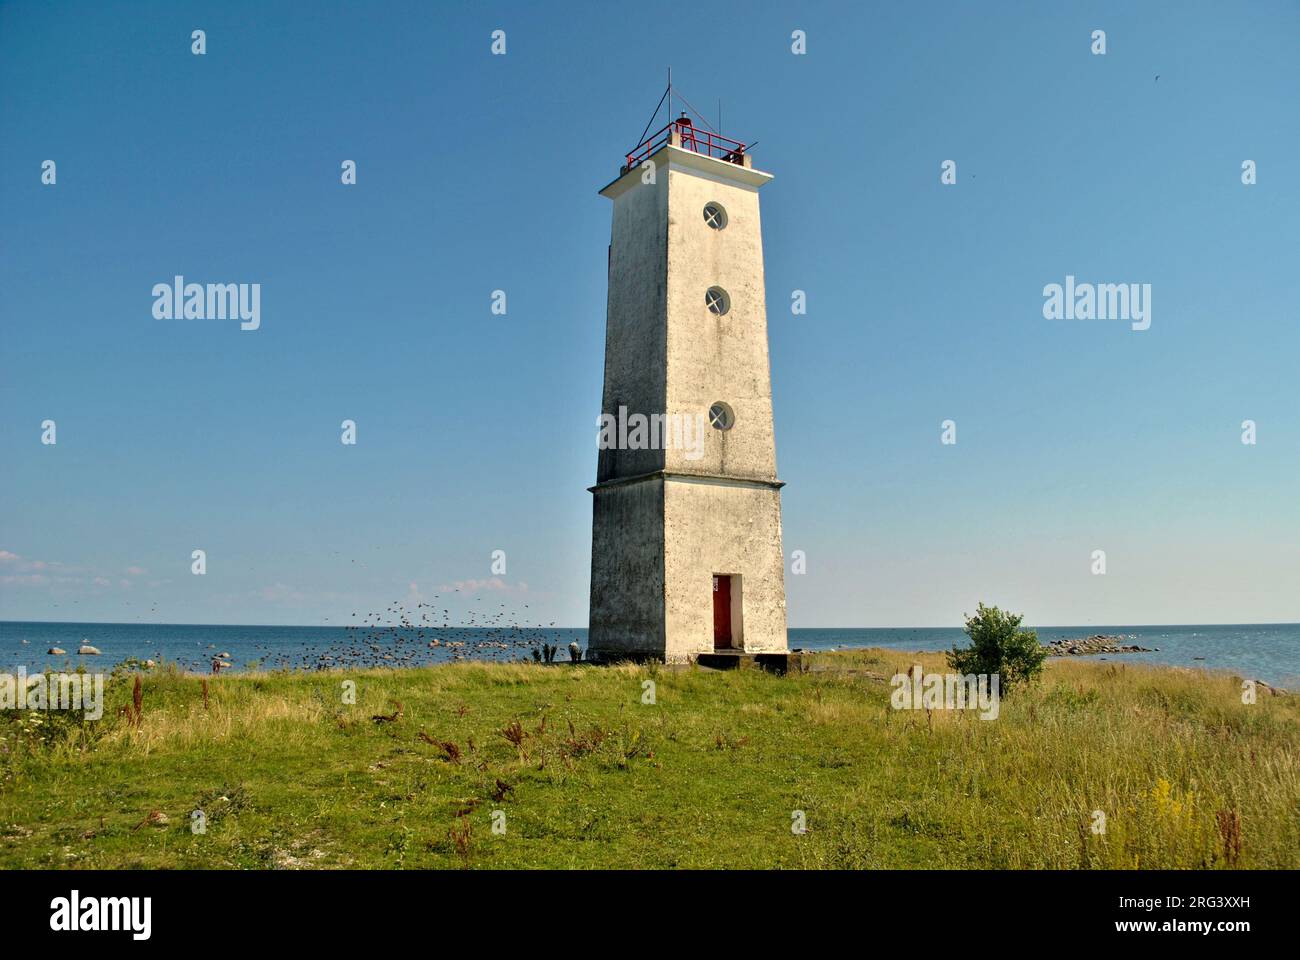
(492, 585)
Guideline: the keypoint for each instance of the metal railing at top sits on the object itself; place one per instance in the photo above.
(691, 138)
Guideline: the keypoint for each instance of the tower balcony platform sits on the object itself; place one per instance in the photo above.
(682, 133)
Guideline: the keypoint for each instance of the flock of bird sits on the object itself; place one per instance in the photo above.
(402, 637)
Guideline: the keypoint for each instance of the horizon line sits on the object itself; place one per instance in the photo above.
(312, 626)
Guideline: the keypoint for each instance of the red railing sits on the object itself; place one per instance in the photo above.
(692, 138)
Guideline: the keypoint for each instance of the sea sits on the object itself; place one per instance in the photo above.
(1268, 652)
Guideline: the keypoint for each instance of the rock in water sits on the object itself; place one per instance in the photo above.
(1086, 646)
(56, 651)
(86, 650)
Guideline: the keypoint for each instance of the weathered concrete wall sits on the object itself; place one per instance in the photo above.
(627, 570)
(723, 358)
(658, 541)
(635, 336)
(715, 527)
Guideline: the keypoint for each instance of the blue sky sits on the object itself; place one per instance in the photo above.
(477, 432)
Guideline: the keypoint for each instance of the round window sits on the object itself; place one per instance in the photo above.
(715, 216)
(721, 417)
(717, 301)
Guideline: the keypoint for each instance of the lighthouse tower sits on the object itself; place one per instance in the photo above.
(686, 557)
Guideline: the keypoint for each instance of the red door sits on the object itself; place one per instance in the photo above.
(721, 612)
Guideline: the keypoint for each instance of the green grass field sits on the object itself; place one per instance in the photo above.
(710, 775)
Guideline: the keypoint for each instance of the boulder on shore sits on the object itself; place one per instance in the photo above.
(1087, 646)
(56, 651)
(86, 650)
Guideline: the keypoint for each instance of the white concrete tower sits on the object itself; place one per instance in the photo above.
(686, 554)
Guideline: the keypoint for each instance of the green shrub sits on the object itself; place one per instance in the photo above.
(998, 645)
